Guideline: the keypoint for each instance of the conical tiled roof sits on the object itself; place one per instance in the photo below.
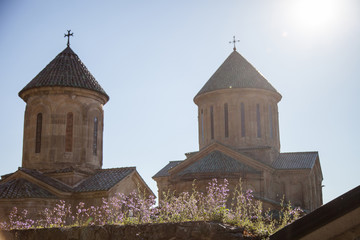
(236, 72)
(66, 70)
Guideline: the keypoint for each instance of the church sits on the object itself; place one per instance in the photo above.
(63, 142)
(238, 129)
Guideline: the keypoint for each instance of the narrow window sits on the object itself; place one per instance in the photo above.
(95, 136)
(212, 121)
(242, 113)
(38, 133)
(226, 119)
(69, 132)
(202, 125)
(258, 121)
(270, 122)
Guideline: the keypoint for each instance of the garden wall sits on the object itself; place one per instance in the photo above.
(161, 231)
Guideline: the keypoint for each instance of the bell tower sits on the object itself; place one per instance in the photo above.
(64, 117)
(238, 107)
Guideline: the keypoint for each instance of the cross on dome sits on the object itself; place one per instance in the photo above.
(68, 36)
(234, 41)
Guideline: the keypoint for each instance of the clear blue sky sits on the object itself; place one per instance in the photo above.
(152, 57)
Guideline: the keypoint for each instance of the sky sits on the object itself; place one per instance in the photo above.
(152, 57)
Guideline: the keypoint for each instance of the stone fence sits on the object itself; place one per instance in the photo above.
(161, 231)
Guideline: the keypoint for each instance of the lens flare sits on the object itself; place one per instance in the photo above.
(315, 15)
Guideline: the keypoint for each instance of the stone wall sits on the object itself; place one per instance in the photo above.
(240, 118)
(67, 133)
(163, 231)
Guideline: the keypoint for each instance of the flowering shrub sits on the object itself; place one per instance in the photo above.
(215, 204)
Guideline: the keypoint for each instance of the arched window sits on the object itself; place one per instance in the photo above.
(258, 121)
(226, 119)
(271, 121)
(38, 133)
(95, 134)
(202, 125)
(242, 116)
(212, 121)
(69, 132)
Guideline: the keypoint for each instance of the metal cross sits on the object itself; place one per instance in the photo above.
(68, 36)
(234, 41)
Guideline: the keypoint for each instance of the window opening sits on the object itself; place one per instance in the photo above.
(95, 136)
(258, 120)
(212, 121)
(226, 119)
(270, 122)
(38, 133)
(242, 113)
(202, 125)
(69, 132)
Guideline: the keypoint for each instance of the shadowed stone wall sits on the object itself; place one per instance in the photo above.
(164, 231)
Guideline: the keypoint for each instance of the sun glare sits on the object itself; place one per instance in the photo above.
(315, 15)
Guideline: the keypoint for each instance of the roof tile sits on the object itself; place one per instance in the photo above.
(65, 70)
(295, 160)
(21, 188)
(214, 162)
(236, 72)
(101, 180)
(164, 172)
(217, 161)
(104, 179)
(46, 179)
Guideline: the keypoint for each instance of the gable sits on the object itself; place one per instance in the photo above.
(36, 181)
(164, 172)
(103, 179)
(217, 162)
(22, 188)
(43, 179)
(130, 184)
(227, 163)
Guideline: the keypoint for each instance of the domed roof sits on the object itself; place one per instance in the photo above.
(236, 72)
(65, 70)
